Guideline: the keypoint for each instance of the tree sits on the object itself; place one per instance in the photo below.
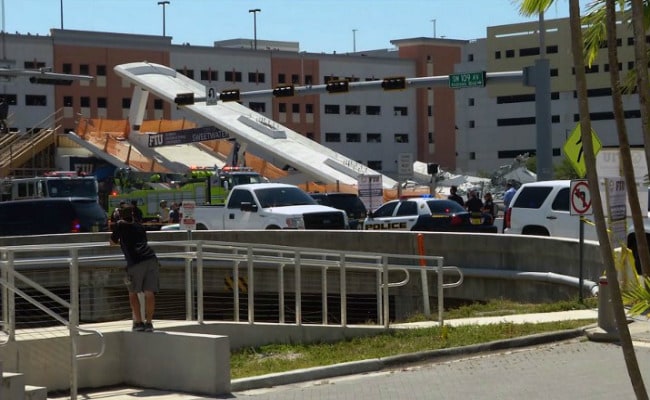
(530, 7)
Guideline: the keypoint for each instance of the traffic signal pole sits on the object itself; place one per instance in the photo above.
(380, 84)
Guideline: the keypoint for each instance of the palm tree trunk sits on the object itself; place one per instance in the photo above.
(590, 158)
(641, 66)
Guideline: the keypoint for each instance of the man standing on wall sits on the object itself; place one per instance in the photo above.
(142, 267)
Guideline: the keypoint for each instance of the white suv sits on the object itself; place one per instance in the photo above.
(542, 208)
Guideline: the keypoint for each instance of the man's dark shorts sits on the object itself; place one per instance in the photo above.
(143, 276)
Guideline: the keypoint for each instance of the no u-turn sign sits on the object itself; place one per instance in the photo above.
(580, 197)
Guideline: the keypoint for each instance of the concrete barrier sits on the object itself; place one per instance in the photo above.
(175, 361)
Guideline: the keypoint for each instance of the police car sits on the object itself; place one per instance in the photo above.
(426, 214)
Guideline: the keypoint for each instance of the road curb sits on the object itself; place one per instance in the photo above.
(377, 364)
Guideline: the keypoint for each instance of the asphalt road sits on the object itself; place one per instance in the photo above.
(573, 369)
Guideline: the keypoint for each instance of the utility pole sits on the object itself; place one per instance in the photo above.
(254, 11)
(163, 4)
(354, 40)
(434, 28)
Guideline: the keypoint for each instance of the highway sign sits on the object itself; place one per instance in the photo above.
(574, 151)
(186, 136)
(580, 197)
(467, 79)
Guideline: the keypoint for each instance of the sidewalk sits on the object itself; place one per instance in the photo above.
(639, 329)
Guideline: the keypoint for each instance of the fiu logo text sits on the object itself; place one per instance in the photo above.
(385, 225)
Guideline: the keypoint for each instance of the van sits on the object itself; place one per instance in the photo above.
(51, 216)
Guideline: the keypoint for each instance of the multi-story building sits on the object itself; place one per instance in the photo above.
(471, 130)
(371, 127)
(497, 123)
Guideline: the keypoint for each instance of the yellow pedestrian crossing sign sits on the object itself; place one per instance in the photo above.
(574, 151)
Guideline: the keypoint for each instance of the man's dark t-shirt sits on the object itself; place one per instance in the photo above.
(474, 204)
(132, 238)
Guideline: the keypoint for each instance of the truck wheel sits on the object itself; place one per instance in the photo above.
(272, 227)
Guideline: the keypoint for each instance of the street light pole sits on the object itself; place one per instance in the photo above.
(3, 15)
(254, 11)
(163, 4)
(354, 40)
(434, 27)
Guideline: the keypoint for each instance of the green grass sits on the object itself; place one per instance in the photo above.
(281, 357)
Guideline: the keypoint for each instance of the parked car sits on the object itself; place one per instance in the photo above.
(348, 202)
(427, 214)
(51, 215)
(543, 209)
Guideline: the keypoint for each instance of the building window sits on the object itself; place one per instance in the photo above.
(67, 68)
(295, 108)
(510, 53)
(101, 70)
(158, 104)
(472, 155)
(429, 111)
(309, 80)
(530, 51)
(126, 102)
(332, 137)
(309, 108)
(374, 165)
(295, 78)
(470, 102)
(256, 77)
(68, 101)
(282, 78)
(516, 121)
(282, 107)
(352, 110)
(353, 137)
(332, 109)
(630, 65)
(430, 136)
(400, 111)
(84, 101)
(470, 57)
(555, 119)
(34, 64)
(257, 106)
(373, 138)
(102, 102)
(401, 138)
(497, 55)
(35, 100)
(187, 72)
(551, 49)
(10, 99)
(373, 110)
(209, 75)
(84, 69)
(472, 124)
(233, 76)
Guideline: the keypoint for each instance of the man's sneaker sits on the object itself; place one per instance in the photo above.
(148, 327)
(138, 327)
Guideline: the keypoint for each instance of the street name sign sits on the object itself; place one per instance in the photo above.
(467, 79)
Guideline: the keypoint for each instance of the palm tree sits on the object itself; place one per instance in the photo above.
(596, 31)
(530, 7)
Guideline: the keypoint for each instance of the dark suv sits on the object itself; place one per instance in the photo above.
(348, 202)
(51, 215)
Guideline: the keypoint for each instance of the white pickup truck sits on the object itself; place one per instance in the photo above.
(268, 206)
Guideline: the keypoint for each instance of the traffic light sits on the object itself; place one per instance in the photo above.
(229, 95)
(184, 99)
(432, 169)
(338, 86)
(394, 83)
(50, 81)
(283, 91)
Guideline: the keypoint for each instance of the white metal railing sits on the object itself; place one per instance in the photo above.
(196, 256)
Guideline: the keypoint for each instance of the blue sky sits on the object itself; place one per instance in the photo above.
(319, 25)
